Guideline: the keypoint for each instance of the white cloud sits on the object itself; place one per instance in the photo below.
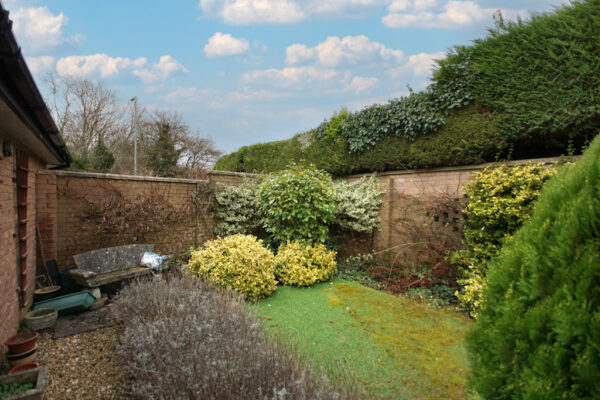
(360, 84)
(249, 12)
(348, 50)
(296, 77)
(37, 29)
(415, 5)
(183, 93)
(223, 45)
(308, 79)
(346, 8)
(418, 65)
(40, 64)
(106, 66)
(164, 68)
(453, 14)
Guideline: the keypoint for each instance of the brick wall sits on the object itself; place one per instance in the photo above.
(46, 213)
(421, 216)
(220, 179)
(77, 232)
(10, 298)
(66, 229)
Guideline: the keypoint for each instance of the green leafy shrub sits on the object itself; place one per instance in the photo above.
(500, 200)
(238, 262)
(538, 330)
(297, 204)
(14, 388)
(236, 210)
(301, 264)
(358, 203)
(331, 129)
(101, 159)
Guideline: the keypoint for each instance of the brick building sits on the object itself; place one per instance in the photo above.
(29, 142)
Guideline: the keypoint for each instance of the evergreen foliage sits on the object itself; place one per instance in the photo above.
(543, 75)
(500, 201)
(539, 81)
(237, 262)
(538, 331)
(301, 264)
(102, 159)
(358, 203)
(297, 204)
(162, 156)
(467, 137)
(237, 210)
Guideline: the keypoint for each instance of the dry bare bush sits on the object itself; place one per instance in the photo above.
(183, 339)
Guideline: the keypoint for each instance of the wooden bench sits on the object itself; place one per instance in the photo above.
(112, 264)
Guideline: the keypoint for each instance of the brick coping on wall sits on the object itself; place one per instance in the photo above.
(547, 161)
(97, 175)
(230, 173)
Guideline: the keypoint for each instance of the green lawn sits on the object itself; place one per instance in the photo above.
(397, 348)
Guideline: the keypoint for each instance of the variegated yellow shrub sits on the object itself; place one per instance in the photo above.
(301, 264)
(471, 296)
(238, 262)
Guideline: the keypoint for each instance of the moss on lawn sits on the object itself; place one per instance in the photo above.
(397, 348)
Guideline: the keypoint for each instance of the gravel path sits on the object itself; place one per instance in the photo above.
(82, 366)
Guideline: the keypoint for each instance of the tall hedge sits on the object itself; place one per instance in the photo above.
(543, 74)
(467, 137)
(539, 79)
(538, 332)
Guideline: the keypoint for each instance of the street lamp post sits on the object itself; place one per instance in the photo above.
(134, 99)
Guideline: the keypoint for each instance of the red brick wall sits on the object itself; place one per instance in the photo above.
(408, 236)
(77, 233)
(220, 179)
(46, 213)
(11, 309)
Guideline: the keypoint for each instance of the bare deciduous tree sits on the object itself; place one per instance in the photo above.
(86, 111)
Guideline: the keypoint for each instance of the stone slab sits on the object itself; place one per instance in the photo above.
(73, 324)
(91, 280)
(112, 259)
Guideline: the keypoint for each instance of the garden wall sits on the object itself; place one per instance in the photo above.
(421, 218)
(87, 211)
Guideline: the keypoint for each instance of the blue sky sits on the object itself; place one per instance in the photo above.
(250, 71)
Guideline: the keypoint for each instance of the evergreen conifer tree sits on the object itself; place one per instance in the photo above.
(162, 156)
(102, 159)
(538, 332)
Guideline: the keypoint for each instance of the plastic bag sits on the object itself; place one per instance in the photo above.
(152, 260)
